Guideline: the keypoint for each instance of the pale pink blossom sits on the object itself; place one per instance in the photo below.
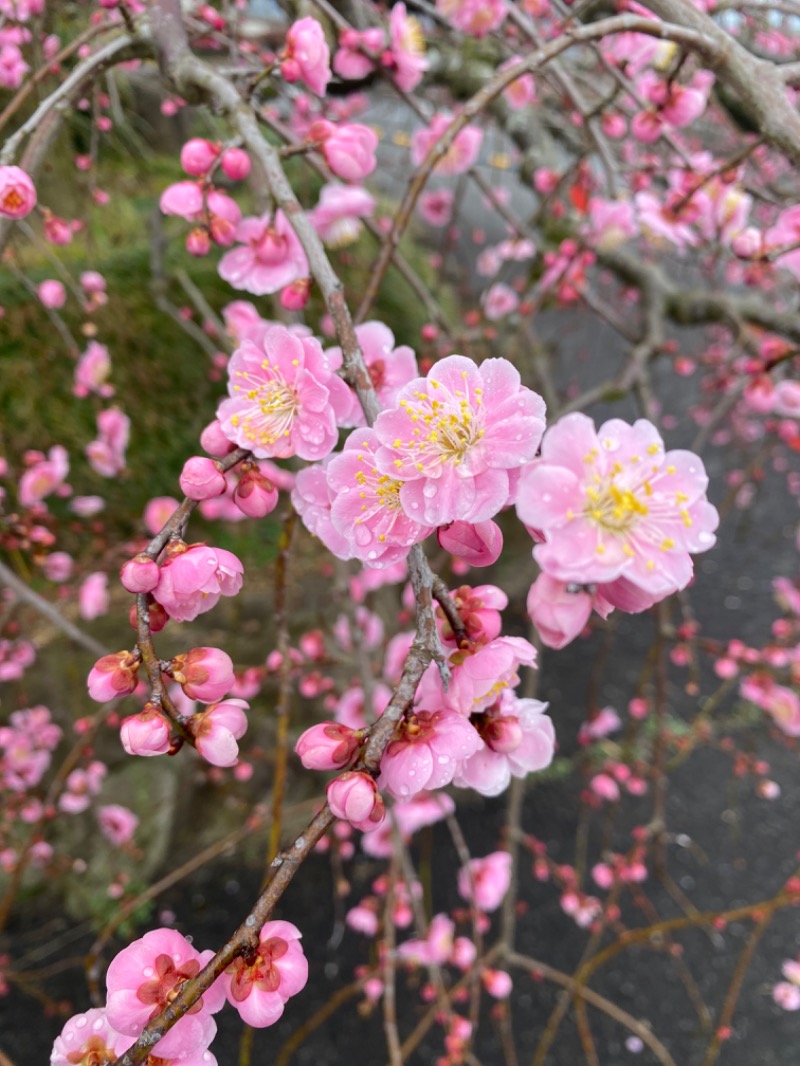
(88, 1038)
(436, 206)
(106, 454)
(481, 424)
(475, 544)
(459, 157)
(560, 610)
(481, 674)
(499, 301)
(787, 399)
(204, 674)
(259, 987)
(522, 90)
(93, 599)
(139, 574)
(422, 809)
(490, 769)
(312, 499)
(406, 57)
(284, 404)
(358, 52)
(306, 55)
(366, 509)
(354, 798)
(217, 729)
(44, 477)
(611, 223)
(269, 257)
(92, 371)
(52, 293)
(158, 512)
(193, 579)
(485, 881)
(390, 367)
(612, 504)
(117, 823)
(327, 746)
(17, 193)
(436, 948)
(141, 981)
(146, 733)
(184, 199)
(426, 752)
(337, 217)
(475, 17)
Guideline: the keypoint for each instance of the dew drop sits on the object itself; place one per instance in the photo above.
(81, 1022)
(147, 971)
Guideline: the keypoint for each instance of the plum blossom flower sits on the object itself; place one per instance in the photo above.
(88, 1038)
(519, 739)
(141, 981)
(93, 599)
(476, 544)
(358, 52)
(269, 257)
(436, 206)
(426, 752)
(354, 798)
(475, 17)
(306, 56)
(217, 729)
(522, 90)
(92, 372)
(486, 880)
(44, 477)
(611, 503)
(312, 499)
(145, 734)
(406, 60)
(113, 676)
(327, 746)
(390, 367)
(17, 193)
(260, 987)
(284, 398)
(454, 437)
(459, 157)
(205, 674)
(117, 823)
(349, 150)
(366, 508)
(106, 454)
(560, 609)
(192, 579)
(479, 674)
(499, 301)
(337, 216)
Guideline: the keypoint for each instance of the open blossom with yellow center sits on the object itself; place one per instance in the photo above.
(366, 507)
(455, 435)
(284, 398)
(611, 503)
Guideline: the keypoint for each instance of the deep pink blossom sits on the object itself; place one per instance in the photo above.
(92, 371)
(88, 1039)
(139, 574)
(454, 437)
(199, 155)
(255, 495)
(354, 798)
(193, 579)
(612, 503)
(235, 163)
(284, 404)
(269, 257)
(259, 987)
(141, 981)
(52, 293)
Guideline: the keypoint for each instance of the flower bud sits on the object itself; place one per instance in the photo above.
(223, 231)
(217, 729)
(156, 613)
(17, 193)
(354, 797)
(113, 676)
(140, 574)
(202, 478)
(205, 674)
(214, 441)
(146, 733)
(235, 164)
(255, 494)
(198, 242)
(327, 746)
(477, 544)
(57, 230)
(52, 293)
(294, 297)
(198, 156)
(502, 734)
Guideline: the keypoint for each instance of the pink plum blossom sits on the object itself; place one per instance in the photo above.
(260, 987)
(426, 752)
(560, 610)
(146, 733)
(92, 371)
(390, 367)
(522, 90)
(52, 293)
(113, 676)
(499, 301)
(255, 495)
(141, 981)
(198, 156)
(406, 60)
(312, 499)
(139, 574)
(519, 739)
(476, 544)
(217, 729)
(306, 55)
(235, 163)
(192, 579)
(17, 192)
(481, 674)
(436, 206)
(204, 674)
(612, 504)
(93, 599)
(485, 881)
(337, 216)
(349, 150)
(284, 404)
(479, 424)
(475, 17)
(117, 823)
(106, 454)
(88, 1038)
(459, 157)
(44, 477)
(269, 257)
(354, 798)
(366, 509)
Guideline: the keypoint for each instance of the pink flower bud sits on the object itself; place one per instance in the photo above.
(497, 983)
(327, 746)
(747, 244)
(223, 231)
(478, 545)
(139, 574)
(198, 242)
(146, 733)
(235, 164)
(198, 156)
(503, 734)
(354, 797)
(52, 293)
(255, 494)
(202, 479)
(214, 441)
(17, 193)
(295, 296)
(290, 69)
(113, 676)
(217, 729)
(558, 613)
(57, 230)
(205, 674)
